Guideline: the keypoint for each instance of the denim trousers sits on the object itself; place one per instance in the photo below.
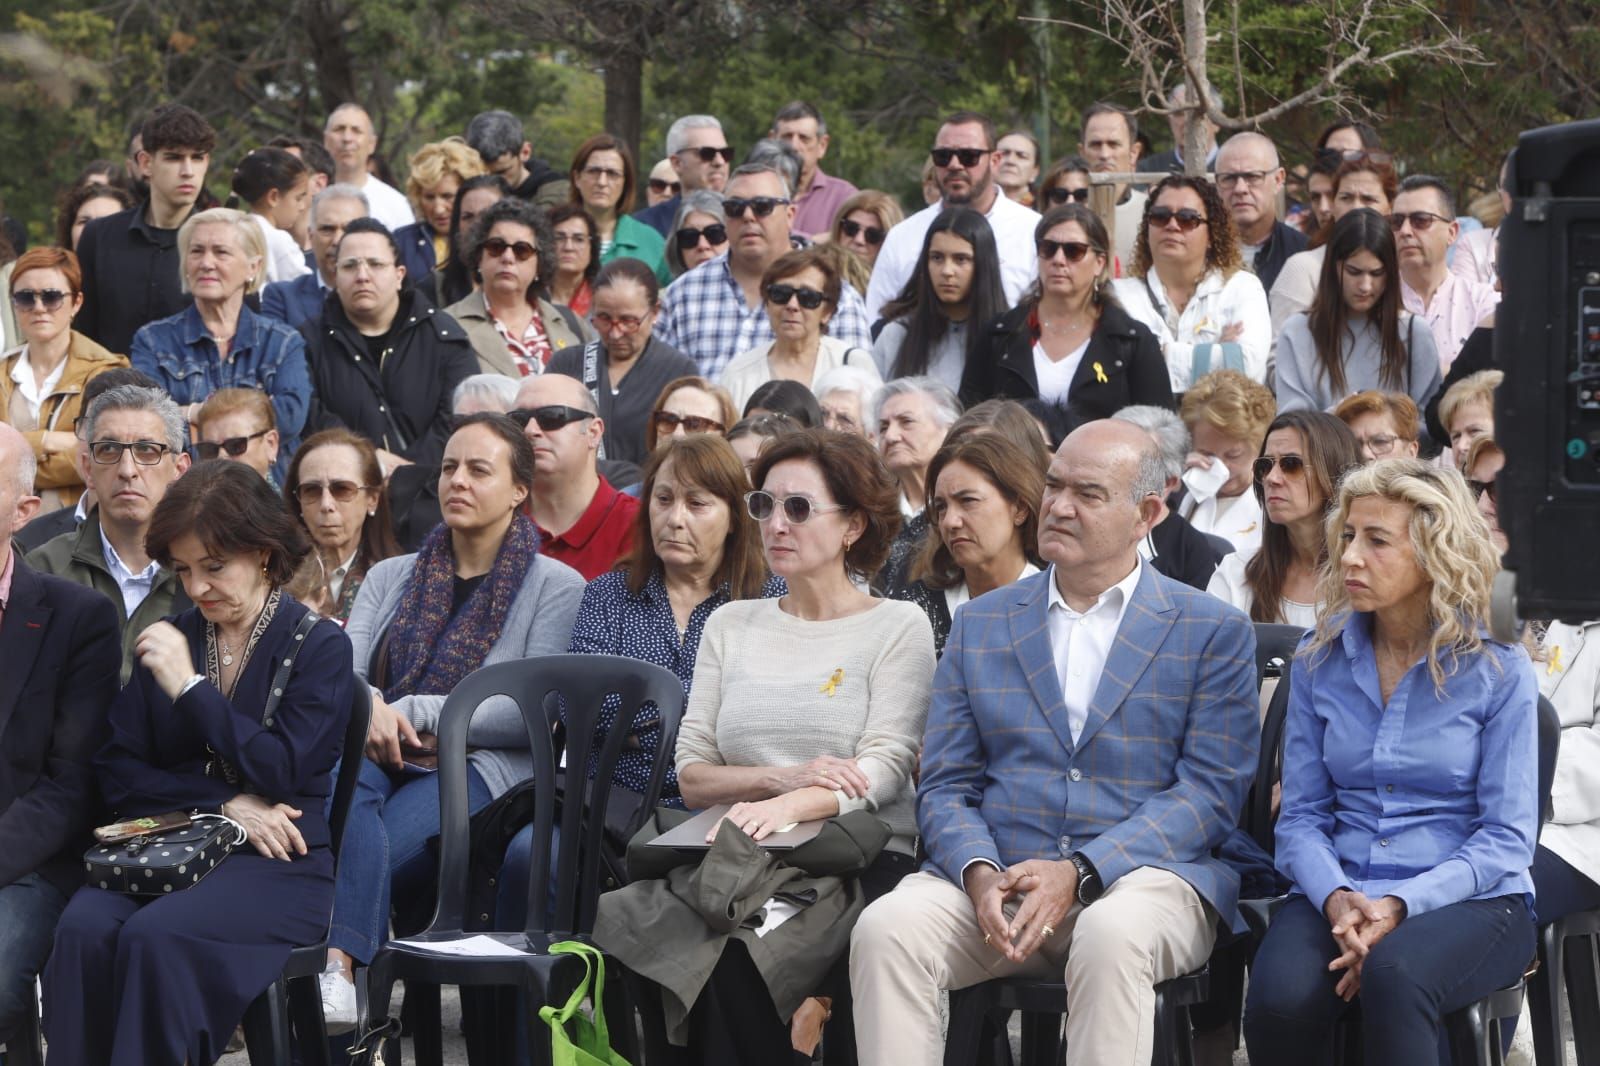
(30, 907)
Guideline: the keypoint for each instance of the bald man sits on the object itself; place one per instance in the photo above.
(59, 644)
(582, 520)
(351, 139)
(1250, 177)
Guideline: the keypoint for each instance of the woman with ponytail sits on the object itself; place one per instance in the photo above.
(274, 185)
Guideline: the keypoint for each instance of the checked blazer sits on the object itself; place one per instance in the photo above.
(1158, 773)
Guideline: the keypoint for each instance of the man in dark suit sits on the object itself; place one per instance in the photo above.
(300, 300)
(59, 645)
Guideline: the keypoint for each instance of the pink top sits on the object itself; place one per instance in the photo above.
(814, 210)
(1454, 312)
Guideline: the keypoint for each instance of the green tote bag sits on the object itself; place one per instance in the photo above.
(575, 1040)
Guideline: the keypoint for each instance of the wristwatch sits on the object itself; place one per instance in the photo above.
(1089, 886)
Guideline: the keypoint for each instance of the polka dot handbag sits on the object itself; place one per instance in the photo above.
(169, 861)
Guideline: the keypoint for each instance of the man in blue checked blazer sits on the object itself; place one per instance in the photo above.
(1092, 735)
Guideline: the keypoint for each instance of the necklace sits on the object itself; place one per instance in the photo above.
(227, 651)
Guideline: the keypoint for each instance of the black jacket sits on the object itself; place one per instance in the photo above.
(1282, 242)
(130, 277)
(1127, 354)
(404, 406)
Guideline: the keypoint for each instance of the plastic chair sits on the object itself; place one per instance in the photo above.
(582, 683)
(1570, 972)
(296, 995)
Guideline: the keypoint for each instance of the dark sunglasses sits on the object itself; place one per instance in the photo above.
(1059, 196)
(310, 492)
(495, 248)
(550, 418)
(797, 510)
(1421, 221)
(969, 156)
(1188, 218)
(707, 154)
(49, 299)
(875, 234)
(761, 205)
(780, 295)
(1481, 489)
(1074, 250)
(689, 237)
(234, 446)
(666, 422)
(659, 185)
(1290, 465)
(1346, 155)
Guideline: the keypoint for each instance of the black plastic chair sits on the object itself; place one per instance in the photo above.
(1569, 971)
(582, 683)
(296, 995)
(27, 1047)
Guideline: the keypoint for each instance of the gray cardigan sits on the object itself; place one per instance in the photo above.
(539, 623)
(1301, 385)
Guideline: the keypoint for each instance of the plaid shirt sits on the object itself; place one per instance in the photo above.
(703, 315)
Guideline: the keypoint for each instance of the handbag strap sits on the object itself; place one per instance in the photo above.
(594, 965)
(591, 381)
(280, 680)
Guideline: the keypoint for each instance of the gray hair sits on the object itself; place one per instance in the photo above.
(849, 378)
(1166, 429)
(749, 169)
(245, 228)
(493, 134)
(678, 132)
(339, 191)
(704, 201)
(496, 388)
(1180, 92)
(780, 155)
(942, 401)
(138, 398)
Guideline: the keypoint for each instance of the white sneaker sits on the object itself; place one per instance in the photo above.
(338, 1000)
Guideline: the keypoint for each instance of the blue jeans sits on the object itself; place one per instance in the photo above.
(385, 853)
(1432, 964)
(1558, 889)
(30, 907)
(511, 899)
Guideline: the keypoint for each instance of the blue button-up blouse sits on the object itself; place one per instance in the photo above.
(1432, 798)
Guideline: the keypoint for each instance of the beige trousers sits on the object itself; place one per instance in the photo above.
(1149, 927)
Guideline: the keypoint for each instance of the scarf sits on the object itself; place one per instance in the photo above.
(430, 652)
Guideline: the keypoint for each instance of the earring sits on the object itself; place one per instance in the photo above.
(372, 513)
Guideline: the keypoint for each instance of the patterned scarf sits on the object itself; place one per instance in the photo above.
(430, 652)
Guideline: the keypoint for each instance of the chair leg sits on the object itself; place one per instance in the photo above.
(1473, 1038)
(1041, 1039)
(968, 1007)
(427, 1035)
(380, 991)
(1546, 989)
(266, 1027)
(310, 1027)
(1582, 974)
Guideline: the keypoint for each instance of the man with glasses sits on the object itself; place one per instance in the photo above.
(498, 138)
(300, 300)
(133, 452)
(1424, 223)
(700, 151)
(582, 520)
(964, 162)
(238, 425)
(818, 196)
(1249, 178)
(717, 311)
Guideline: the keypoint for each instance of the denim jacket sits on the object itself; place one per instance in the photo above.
(181, 356)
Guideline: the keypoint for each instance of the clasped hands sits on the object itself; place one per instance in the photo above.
(1047, 889)
(762, 818)
(1358, 923)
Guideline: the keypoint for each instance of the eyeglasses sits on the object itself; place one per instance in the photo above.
(49, 299)
(495, 247)
(1074, 250)
(666, 422)
(310, 493)
(1188, 218)
(707, 154)
(1346, 155)
(969, 156)
(661, 185)
(355, 263)
(761, 205)
(1379, 443)
(780, 295)
(596, 173)
(1251, 178)
(1480, 489)
(623, 324)
(109, 452)
(1290, 464)
(874, 234)
(1421, 221)
(1059, 195)
(797, 510)
(571, 240)
(689, 237)
(234, 446)
(550, 418)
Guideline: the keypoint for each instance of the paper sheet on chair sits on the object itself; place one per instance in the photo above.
(470, 945)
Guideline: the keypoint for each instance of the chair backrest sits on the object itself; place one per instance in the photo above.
(1275, 645)
(350, 759)
(551, 690)
(1549, 748)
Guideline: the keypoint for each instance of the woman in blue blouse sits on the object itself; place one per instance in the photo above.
(217, 342)
(1410, 806)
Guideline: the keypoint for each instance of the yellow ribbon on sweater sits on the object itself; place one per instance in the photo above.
(832, 684)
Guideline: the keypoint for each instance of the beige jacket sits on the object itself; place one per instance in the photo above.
(493, 356)
(59, 470)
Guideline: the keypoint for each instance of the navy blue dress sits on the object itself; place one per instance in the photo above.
(163, 981)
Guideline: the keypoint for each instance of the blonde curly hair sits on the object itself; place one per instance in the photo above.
(432, 163)
(1452, 547)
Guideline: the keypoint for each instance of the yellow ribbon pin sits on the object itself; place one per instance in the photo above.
(1100, 374)
(1554, 665)
(831, 685)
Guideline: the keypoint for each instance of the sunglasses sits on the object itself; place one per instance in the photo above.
(495, 247)
(761, 205)
(661, 185)
(234, 446)
(797, 510)
(49, 299)
(109, 452)
(1074, 250)
(550, 418)
(780, 295)
(969, 156)
(1187, 217)
(666, 422)
(708, 153)
(875, 234)
(310, 492)
(1480, 489)
(689, 237)
(1421, 221)
(1346, 155)
(1059, 196)
(1290, 464)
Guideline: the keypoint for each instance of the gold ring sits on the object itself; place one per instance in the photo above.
(986, 938)
(1049, 930)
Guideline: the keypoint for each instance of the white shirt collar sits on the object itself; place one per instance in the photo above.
(120, 570)
(1114, 599)
(22, 374)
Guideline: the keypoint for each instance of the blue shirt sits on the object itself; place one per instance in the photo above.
(266, 354)
(1432, 798)
(613, 620)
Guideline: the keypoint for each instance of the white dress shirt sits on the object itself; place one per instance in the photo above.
(1082, 642)
(134, 587)
(33, 396)
(388, 204)
(958, 595)
(1013, 226)
(1236, 519)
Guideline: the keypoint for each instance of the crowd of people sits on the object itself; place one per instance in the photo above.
(957, 517)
